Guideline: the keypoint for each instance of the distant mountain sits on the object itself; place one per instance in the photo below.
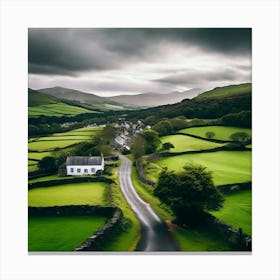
(36, 98)
(226, 91)
(155, 99)
(101, 103)
(208, 105)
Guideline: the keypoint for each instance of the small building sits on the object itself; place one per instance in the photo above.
(77, 165)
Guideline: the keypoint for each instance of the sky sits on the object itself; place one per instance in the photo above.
(116, 61)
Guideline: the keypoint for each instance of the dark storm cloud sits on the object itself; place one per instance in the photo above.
(71, 52)
(196, 77)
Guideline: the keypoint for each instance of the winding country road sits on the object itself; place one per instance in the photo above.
(154, 232)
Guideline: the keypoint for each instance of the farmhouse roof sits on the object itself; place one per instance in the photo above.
(84, 160)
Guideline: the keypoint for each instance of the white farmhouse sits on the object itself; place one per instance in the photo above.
(84, 165)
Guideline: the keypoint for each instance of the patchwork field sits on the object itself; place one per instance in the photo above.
(221, 132)
(237, 210)
(91, 193)
(51, 145)
(56, 109)
(60, 233)
(228, 167)
(43, 146)
(183, 143)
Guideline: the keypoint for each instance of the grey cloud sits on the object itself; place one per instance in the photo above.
(200, 77)
(73, 51)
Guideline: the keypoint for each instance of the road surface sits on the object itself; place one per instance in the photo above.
(154, 232)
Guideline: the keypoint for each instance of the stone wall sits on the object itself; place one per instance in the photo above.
(238, 240)
(70, 180)
(98, 239)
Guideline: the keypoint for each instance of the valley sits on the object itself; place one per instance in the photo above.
(212, 130)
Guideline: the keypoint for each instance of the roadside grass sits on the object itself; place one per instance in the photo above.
(128, 237)
(237, 211)
(227, 167)
(188, 240)
(186, 143)
(221, 132)
(91, 193)
(146, 193)
(60, 233)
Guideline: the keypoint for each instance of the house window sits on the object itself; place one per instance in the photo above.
(78, 170)
(93, 170)
(85, 170)
(71, 170)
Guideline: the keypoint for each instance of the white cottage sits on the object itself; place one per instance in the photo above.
(84, 165)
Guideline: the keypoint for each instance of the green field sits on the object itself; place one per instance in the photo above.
(66, 137)
(71, 194)
(38, 156)
(237, 210)
(51, 145)
(221, 132)
(56, 109)
(228, 167)
(200, 240)
(60, 233)
(183, 143)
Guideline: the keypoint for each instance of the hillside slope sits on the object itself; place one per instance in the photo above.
(36, 98)
(42, 104)
(101, 103)
(208, 106)
(227, 91)
(156, 99)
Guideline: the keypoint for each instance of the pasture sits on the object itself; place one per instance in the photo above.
(91, 193)
(227, 167)
(56, 110)
(50, 145)
(200, 240)
(60, 233)
(183, 143)
(237, 210)
(221, 132)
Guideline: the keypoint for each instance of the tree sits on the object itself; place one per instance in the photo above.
(108, 134)
(167, 146)
(241, 137)
(163, 127)
(47, 164)
(138, 146)
(190, 193)
(210, 134)
(152, 141)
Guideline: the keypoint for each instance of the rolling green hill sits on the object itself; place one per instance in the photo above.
(37, 98)
(42, 104)
(209, 105)
(101, 103)
(227, 91)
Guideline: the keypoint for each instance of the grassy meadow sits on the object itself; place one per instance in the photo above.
(228, 167)
(237, 210)
(221, 132)
(183, 143)
(60, 233)
(91, 193)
